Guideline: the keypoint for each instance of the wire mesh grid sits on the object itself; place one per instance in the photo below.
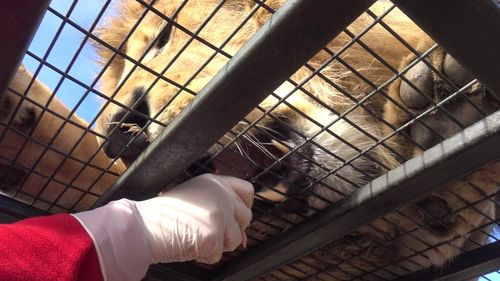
(271, 156)
(331, 264)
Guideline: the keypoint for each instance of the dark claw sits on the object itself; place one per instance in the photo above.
(456, 72)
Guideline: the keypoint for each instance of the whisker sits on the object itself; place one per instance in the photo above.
(239, 149)
(246, 155)
(259, 145)
(254, 142)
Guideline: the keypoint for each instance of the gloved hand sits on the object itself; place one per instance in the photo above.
(199, 219)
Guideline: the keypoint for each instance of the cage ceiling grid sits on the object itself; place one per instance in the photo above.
(373, 151)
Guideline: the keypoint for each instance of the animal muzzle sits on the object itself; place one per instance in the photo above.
(276, 160)
(276, 164)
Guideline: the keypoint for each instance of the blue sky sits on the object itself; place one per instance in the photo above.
(85, 67)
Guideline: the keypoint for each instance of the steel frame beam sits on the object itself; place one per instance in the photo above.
(449, 160)
(292, 36)
(18, 209)
(19, 22)
(159, 272)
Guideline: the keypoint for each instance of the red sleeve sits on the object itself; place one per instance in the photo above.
(55, 247)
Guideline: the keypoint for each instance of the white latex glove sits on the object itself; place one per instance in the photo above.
(199, 219)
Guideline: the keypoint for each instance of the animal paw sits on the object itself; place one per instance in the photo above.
(444, 90)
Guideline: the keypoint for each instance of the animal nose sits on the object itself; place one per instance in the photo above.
(127, 137)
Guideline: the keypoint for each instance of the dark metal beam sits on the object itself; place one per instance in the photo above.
(468, 265)
(19, 21)
(291, 37)
(468, 30)
(449, 160)
(18, 209)
(159, 272)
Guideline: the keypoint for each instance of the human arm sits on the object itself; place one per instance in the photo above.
(197, 220)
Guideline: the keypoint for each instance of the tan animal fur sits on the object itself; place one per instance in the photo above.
(54, 170)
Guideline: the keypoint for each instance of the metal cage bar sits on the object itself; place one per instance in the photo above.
(291, 37)
(453, 158)
(18, 209)
(19, 21)
(159, 272)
